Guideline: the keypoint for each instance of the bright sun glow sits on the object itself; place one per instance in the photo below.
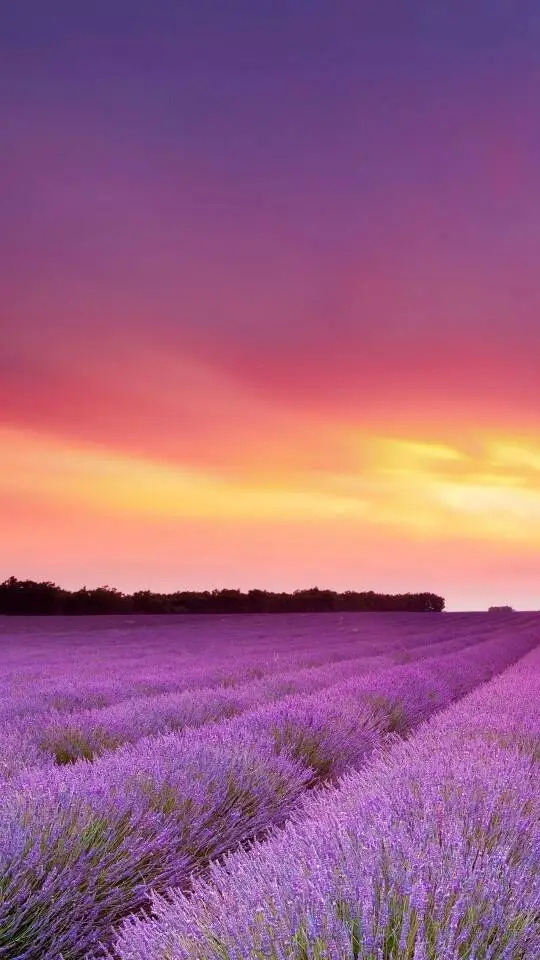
(420, 488)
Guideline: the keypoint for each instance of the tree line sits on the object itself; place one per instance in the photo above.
(28, 597)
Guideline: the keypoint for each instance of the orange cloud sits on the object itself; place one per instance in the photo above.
(418, 488)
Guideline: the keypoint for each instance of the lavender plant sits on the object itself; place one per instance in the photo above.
(82, 844)
(432, 852)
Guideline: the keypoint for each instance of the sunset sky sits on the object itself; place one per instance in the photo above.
(270, 295)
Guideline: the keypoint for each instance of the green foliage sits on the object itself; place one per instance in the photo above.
(69, 744)
(305, 948)
(26, 597)
(390, 714)
(305, 747)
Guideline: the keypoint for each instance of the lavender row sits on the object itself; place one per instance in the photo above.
(84, 845)
(324, 733)
(54, 737)
(217, 640)
(70, 691)
(74, 690)
(431, 852)
(91, 671)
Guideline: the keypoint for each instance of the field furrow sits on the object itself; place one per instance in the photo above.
(84, 844)
(430, 852)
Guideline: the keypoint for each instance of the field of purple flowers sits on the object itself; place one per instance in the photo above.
(305, 787)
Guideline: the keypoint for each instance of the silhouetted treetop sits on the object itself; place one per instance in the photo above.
(26, 597)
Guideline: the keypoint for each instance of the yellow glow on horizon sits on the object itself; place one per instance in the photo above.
(414, 488)
(142, 488)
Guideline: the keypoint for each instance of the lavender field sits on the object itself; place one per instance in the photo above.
(290, 787)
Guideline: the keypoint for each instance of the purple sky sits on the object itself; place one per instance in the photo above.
(230, 229)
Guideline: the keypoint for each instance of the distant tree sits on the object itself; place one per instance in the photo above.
(143, 601)
(26, 597)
